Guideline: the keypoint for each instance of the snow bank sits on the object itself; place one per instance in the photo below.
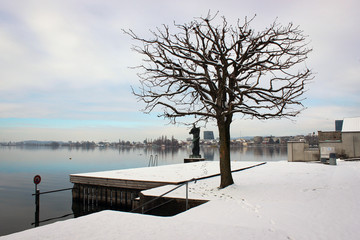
(303, 200)
(279, 200)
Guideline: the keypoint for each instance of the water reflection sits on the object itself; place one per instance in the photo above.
(256, 153)
(209, 152)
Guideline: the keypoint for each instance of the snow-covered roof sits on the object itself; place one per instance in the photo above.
(351, 125)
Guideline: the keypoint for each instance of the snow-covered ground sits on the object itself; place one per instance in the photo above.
(278, 200)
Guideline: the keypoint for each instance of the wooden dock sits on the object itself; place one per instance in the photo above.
(120, 189)
(92, 194)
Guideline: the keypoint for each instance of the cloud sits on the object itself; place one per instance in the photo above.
(56, 44)
(69, 60)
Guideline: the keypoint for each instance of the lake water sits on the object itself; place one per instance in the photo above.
(19, 165)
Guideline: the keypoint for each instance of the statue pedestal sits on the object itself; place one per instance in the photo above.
(194, 158)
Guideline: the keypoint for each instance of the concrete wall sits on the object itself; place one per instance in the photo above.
(300, 152)
(312, 154)
(351, 144)
(295, 151)
(337, 145)
(348, 147)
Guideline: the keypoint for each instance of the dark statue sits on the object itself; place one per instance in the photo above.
(196, 138)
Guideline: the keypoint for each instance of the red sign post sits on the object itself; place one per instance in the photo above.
(37, 180)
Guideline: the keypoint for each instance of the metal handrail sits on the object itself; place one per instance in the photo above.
(152, 200)
(37, 205)
(59, 190)
(218, 174)
(187, 189)
(162, 204)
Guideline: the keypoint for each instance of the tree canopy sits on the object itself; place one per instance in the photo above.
(213, 71)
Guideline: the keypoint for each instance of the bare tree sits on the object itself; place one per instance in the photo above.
(215, 71)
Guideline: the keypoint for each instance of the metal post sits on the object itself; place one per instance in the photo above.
(37, 206)
(187, 196)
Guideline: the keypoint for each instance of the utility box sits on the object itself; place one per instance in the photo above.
(332, 159)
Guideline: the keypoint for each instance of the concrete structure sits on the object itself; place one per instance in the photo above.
(300, 152)
(347, 142)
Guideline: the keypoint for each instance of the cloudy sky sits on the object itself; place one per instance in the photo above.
(64, 65)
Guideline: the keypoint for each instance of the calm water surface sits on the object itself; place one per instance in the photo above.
(19, 165)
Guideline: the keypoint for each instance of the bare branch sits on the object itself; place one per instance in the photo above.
(215, 71)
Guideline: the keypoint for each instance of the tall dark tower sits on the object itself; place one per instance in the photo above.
(209, 135)
(338, 125)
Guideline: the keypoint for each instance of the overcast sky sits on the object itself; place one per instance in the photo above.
(64, 66)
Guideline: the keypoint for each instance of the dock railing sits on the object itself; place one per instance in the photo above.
(142, 207)
(186, 183)
(37, 206)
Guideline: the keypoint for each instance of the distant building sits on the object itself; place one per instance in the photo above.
(346, 143)
(209, 135)
(258, 139)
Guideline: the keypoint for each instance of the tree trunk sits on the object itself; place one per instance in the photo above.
(225, 166)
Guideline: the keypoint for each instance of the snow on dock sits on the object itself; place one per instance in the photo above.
(145, 178)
